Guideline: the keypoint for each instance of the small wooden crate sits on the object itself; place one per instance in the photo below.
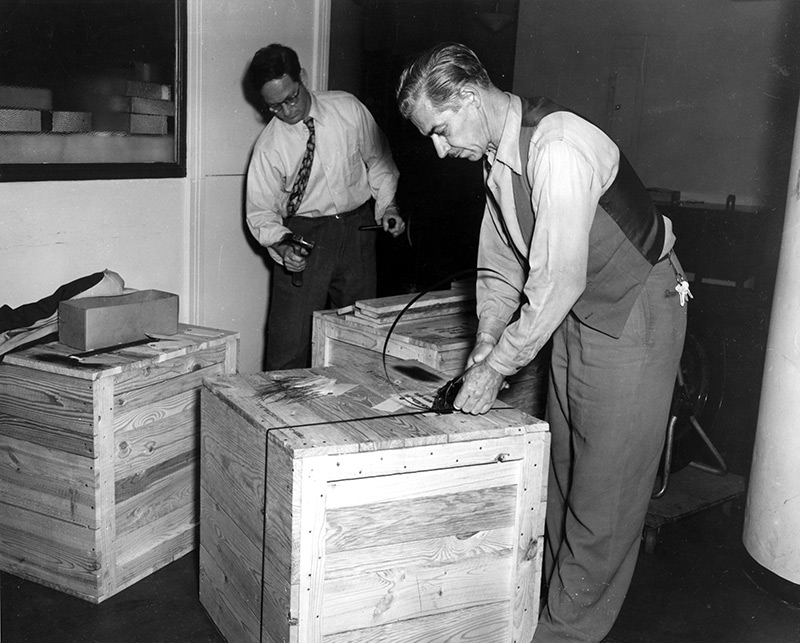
(437, 330)
(334, 512)
(99, 459)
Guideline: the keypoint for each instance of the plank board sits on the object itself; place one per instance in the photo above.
(441, 337)
(386, 309)
(99, 480)
(374, 524)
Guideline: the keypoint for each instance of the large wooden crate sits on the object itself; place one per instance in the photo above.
(99, 459)
(437, 330)
(334, 512)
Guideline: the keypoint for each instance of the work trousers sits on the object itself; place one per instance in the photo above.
(340, 270)
(608, 409)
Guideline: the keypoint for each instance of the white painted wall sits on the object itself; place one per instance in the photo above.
(181, 235)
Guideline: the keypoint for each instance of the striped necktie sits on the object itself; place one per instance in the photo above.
(300, 183)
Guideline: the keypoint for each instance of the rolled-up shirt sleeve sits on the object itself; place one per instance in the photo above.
(382, 172)
(263, 201)
(565, 192)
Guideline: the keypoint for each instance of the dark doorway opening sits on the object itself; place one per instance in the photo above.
(441, 199)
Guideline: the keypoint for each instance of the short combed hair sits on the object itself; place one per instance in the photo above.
(273, 62)
(439, 75)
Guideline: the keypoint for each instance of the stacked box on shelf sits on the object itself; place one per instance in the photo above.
(437, 330)
(21, 108)
(71, 121)
(335, 510)
(121, 105)
(99, 459)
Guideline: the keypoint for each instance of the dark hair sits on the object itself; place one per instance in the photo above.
(272, 62)
(439, 75)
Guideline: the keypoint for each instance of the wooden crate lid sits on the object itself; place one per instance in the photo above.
(339, 409)
(54, 357)
(450, 331)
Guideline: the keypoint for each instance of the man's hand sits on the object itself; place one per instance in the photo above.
(392, 222)
(294, 258)
(482, 349)
(480, 388)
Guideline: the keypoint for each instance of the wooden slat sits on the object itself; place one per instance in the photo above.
(437, 300)
(54, 357)
(50, 551)
(419, 553)
(401, 593)
(233, 462)
(52, 437)
(104, 483)
(385, 523)
(171, 377)
(154, 433)
(153, 545)
(382, 488)
(173, 494)
(317, 422)
(48, 481)
(344, 354)
(281, 505)
(229, 610)
(530, 512)
(482, 624)
(185, 461)
(47, 399)
(309, 547)
(165, 552)
(351, 466)
(230, 573)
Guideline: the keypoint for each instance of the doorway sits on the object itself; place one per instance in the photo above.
(441, 199)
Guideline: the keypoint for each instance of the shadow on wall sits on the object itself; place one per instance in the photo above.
(441, 199)
(785, 92)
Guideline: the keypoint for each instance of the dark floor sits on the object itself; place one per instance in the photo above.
(692, 588)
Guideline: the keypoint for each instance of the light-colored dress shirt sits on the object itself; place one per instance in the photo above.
(352, 162)
(571, 164)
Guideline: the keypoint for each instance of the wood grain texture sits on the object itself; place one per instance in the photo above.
(50, 551)
(529, 547)
(484, 624)
(378, 525)
(409, 593)
(47, 480)
(50, 401)
(232, 487)
(99, 474)
(441, 336)
(317, 422)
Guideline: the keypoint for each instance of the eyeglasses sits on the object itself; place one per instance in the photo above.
(291, 101)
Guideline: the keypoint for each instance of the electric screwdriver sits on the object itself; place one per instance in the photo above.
(300, 244)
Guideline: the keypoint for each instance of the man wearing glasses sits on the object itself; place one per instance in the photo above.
(317, 170)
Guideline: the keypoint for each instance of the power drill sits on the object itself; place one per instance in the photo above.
(300, 244)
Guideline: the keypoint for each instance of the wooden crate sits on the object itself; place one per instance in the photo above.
(437, 330)
(99, 459)
(334, 512)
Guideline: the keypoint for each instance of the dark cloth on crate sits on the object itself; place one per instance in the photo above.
(29, 314)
